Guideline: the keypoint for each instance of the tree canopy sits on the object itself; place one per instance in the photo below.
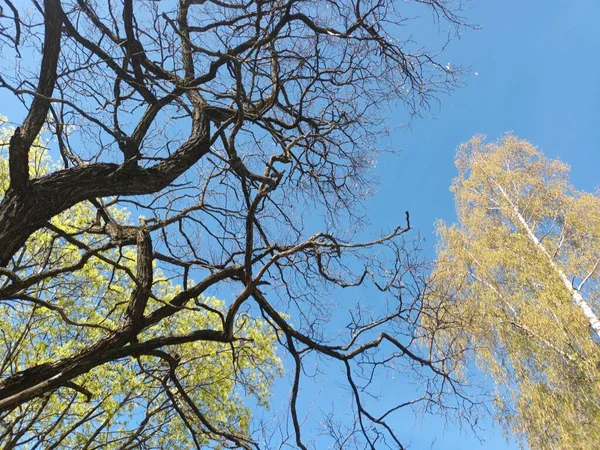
(199, 148)
(69, 299)
(517, 283)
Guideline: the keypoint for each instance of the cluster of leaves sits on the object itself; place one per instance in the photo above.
(517, 283)
(126, 403)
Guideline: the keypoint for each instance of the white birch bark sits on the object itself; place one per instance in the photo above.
(578, 299)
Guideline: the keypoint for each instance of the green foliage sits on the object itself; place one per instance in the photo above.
(507, 280)
(133, 402)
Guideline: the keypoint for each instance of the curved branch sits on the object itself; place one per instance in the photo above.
(24, 135)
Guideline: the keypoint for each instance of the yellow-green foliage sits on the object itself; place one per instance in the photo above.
(502, 297)
(130, 391)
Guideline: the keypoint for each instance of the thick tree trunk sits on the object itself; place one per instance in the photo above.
(26, 210)
(29, 204)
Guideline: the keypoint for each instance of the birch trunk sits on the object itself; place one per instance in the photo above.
(575, 294)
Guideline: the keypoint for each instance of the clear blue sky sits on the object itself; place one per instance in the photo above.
(538, 76)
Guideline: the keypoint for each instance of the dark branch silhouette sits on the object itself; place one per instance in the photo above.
(234, 130)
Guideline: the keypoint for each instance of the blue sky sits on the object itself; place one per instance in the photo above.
(537, 65)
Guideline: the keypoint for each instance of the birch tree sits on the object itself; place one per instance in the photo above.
(518, 281)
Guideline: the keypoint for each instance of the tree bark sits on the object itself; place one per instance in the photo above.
(24, 211)
(44, 378)
(41, 379)
(576, 296)
(26, 134)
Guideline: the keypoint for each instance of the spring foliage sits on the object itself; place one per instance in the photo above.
(518, 285)
(128, 403)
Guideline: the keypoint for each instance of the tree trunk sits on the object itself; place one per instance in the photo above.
(24, 211)
(576, 296)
